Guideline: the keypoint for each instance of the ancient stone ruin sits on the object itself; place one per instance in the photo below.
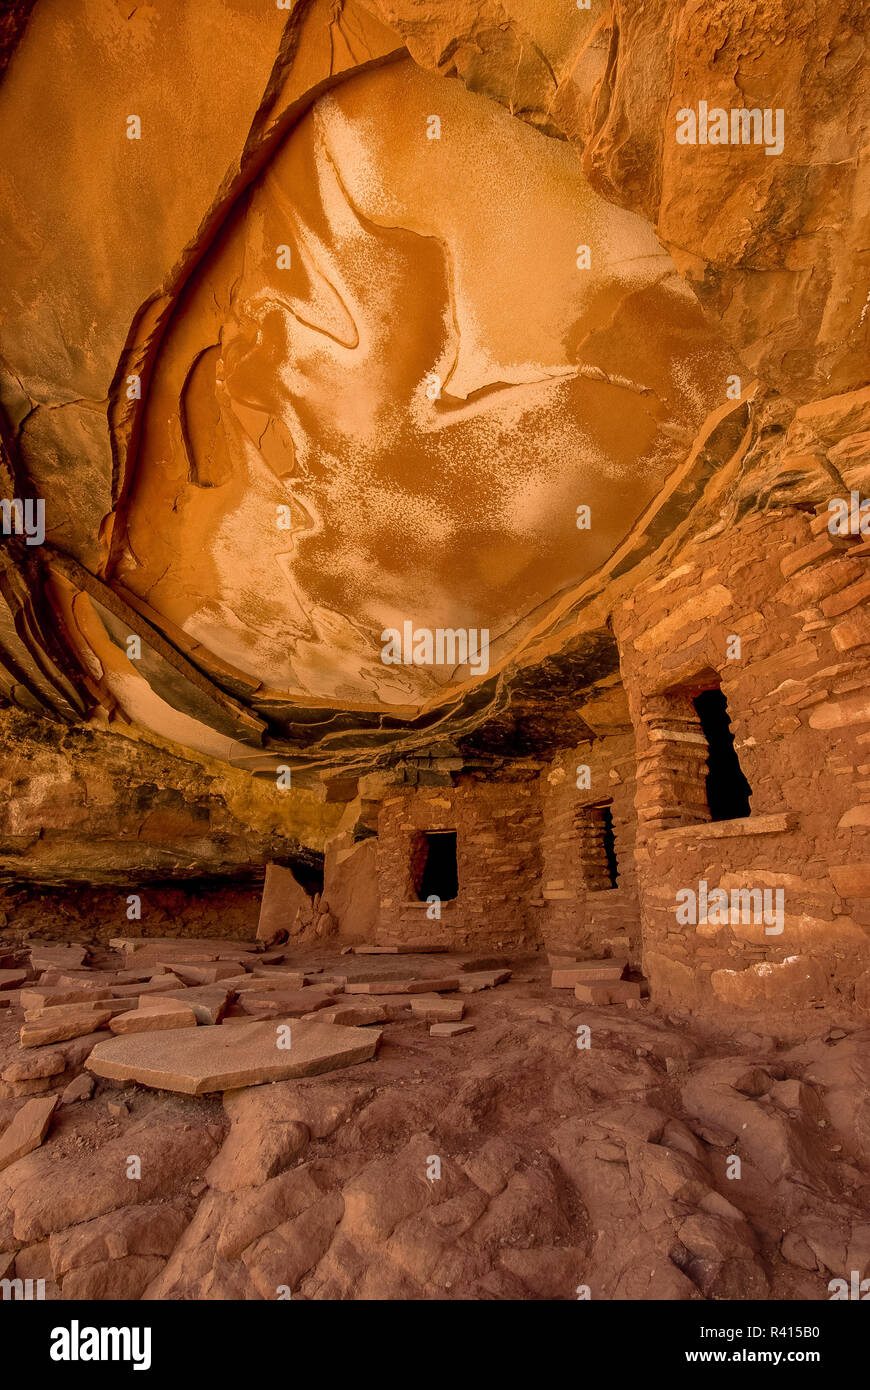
(434, 631)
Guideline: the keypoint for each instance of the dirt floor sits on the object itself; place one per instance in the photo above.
(658, 1162)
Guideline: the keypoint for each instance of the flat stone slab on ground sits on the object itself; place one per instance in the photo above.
(199, 953)
(195, 1061)
(277, 979)
(241, 983)
(151, 1018)
(61, 1011)
(74, 978)
(355, 1015)
(474, 967)
(34, 1066)
(608, 992)
(48, 997)
(436, 1009)
(564, 957)
(152, 986)
(291, 1002)
(12, 979)
(396, 1006)
(450, 1030)
(209, 1002)
(589, 972)
(474, 982)
(27, 1130)
(77, 1020)
(402, 986)
(209, 973)
(288, 979)
(65, 956)
(407, 948)
(183, 943)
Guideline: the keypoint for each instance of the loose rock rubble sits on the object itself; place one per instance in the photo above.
(560, 1165)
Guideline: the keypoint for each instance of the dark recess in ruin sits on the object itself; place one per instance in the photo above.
(610, 845)
(434, 865)
(728, 791)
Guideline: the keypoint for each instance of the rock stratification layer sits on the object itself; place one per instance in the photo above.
(456, 416)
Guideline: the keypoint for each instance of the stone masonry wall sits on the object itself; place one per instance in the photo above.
(799, 701)
(578, 912)
(498, 858)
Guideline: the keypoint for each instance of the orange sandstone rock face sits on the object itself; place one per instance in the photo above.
(372, 312)
(397, 350)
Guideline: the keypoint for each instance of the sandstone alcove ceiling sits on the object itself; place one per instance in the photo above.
(435, 659)
(376, 366)
(413, 388)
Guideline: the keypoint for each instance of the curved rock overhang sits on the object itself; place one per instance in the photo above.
(767, 266)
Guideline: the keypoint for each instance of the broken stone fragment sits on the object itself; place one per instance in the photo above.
(407, 948)
(437, 1010)
(266, 977)
(395, 1006)
(67, 1021)
(209, 1002)
(152, 1017)
(292, 1003)
(27, 1130)
(197, 1060)
(60, 957)
(450, 1030)
(46, 1063)
(157, 985)
(563, 960)
(283, 899)
(401, 986)
(588, 972)
(12, 979)
(205, 974)
(74, 979)
(354, 1015)
(53, 1011)
(612, 992)
(80, 1088)
(152, 950)
(48, 998)
(483, 964)
(240, 984)
(482, 979)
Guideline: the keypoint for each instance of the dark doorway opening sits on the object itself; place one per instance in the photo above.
(609, 845)
(728, 791)
(435, 869)
(597, 848)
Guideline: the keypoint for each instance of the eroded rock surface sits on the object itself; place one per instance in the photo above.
(361, 355)
(610, 1167)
